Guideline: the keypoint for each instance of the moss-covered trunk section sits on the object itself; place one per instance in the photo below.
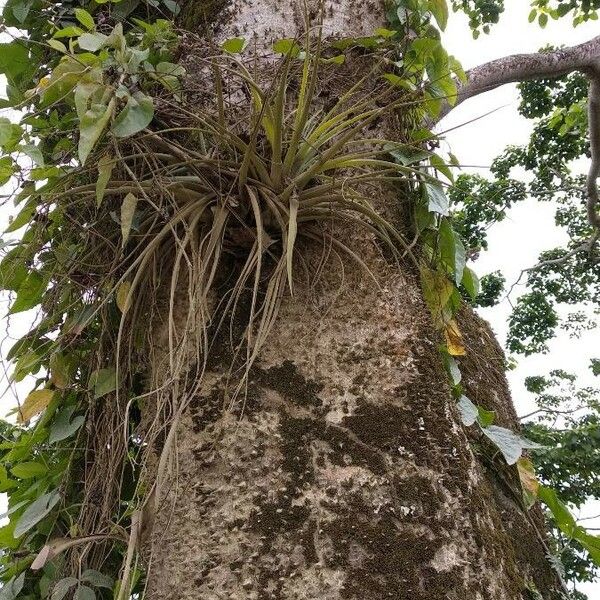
(342, 471)
(345, 473)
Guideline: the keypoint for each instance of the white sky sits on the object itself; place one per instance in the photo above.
(516, 242)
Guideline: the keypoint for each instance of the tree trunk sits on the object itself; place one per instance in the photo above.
(345, 473)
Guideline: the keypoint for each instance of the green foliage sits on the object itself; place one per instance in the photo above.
(492, 286)
(482, 13)
(101, 226)
(565, 276)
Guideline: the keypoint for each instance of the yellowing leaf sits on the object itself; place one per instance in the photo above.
(122, 296)
(529, 481)
(454, 339)
(59, 371)
(34, 404)
(127, 212)
(437, 289)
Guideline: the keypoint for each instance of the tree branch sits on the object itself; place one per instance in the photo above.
(540, 65)
(525, 67)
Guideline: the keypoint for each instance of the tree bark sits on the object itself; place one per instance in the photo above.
(346, 473)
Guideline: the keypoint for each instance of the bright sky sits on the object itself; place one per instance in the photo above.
(516, 242)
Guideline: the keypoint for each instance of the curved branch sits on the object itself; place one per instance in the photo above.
(594, 129)
(524, 67)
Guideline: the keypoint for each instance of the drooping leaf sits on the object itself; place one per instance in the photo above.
(103, 382)
(97, 579)
(29, 469)
(439, 9)
(62, 587)
(92, 41)
(485, 417)
(470, 281)
(453, 337)
(287, 46)
(91, 126)
(127, 212)
(24, 217)
(529, 481)
(13, 587)
(60, 370)
(122, 296)
(105, 167)
(452, 250)
(30, 293)
(36, 402)
(468, 411)
(65, 76)
(440, 164)
(83, 592)
(63, 427)
(452, 369)
(562, 516)
(84, 17)
(10, 133)
(59, 46)
(137, 114)
(508, 442)
(437, 200)
(14, 61)
(35, 512)
(437, 291)
(7, 169)
(72, 31)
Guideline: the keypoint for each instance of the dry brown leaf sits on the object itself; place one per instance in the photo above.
(454, 339)
(527, 476)
(123, 296)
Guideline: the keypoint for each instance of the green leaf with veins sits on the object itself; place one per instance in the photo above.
(509, 443)
(35, 512)
(63, 427)
(137, 115)
(91, 126)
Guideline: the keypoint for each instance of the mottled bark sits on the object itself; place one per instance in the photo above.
(345, 473)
